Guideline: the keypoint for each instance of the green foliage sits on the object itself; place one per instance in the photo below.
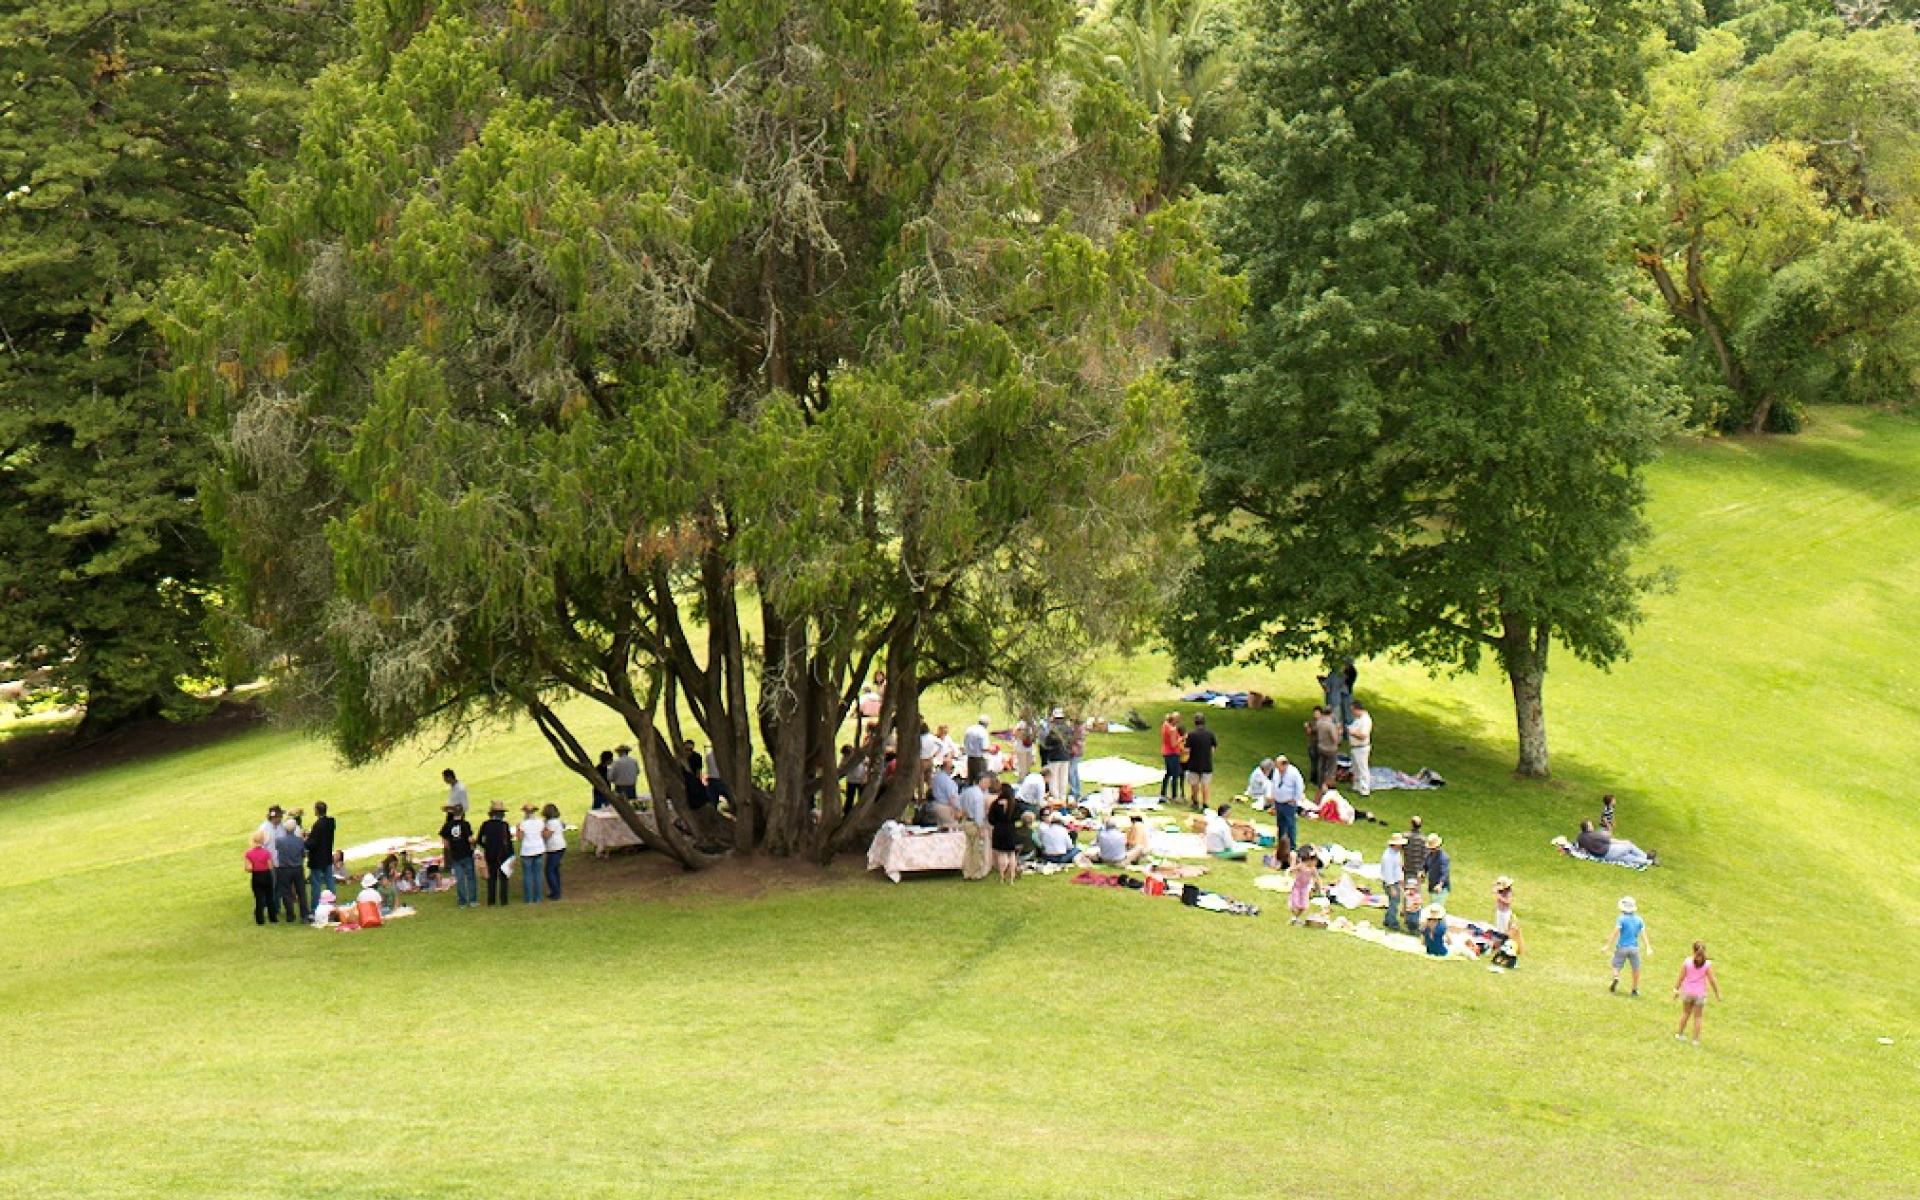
(1428, 438)
(1177, 61)
(579, 330)
(1770, 180)
(125, 133)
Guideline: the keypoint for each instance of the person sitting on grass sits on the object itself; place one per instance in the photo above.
(1604, 846)
(1139, 839)
(943, 799)
(1433, 930)
(1628, 943)
(1056, 841)
(1219, 836)
(1110, 847)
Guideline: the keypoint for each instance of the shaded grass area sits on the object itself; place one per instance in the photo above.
(830, 1034)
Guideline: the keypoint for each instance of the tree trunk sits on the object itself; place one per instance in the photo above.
(1523, 652)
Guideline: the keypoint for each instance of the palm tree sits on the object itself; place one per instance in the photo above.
(1173, 58)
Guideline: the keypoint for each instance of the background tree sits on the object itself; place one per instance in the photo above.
(698, 367)
(1177, 60)
(1781, 201)
(1428, 438)
(125, 133)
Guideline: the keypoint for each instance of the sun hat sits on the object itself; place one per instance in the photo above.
(1626, 904)
(326, 897)
(369, 881)
(1059, 712)
(1502, 884)
(1398, 839)
(985, 720)
(497, 806)
(1433, 841)
(1436, 913)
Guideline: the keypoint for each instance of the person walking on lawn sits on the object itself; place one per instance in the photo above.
(1696, 976)
(1628, 943)
(496, 848)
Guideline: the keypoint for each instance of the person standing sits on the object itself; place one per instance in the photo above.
(533, 852)
(269, 829)
(1076, 750)
(1414, 856)
(974, 744)
(1326, 748)
(1288, 794)
(456, 836)
(1360, 746)
(289, 871)
(1003, 818)
(456, 791)
(1055, 753)
(1022, 749)
(320, 853)
(496, 847)
(1173, 754)
(624, 773)
(1696, 976)
(1201, 744)
(604, 769)
(259, 863)
(943, 800)
(1392, 875)
(1628, 943)
(556, 831)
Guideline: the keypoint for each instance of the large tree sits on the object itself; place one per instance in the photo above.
(697, 360)
(1428, 438)
(126, 131)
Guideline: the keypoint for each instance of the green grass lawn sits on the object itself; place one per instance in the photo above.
(826, 1034)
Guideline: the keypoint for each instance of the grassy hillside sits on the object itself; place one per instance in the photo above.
(823, 1033)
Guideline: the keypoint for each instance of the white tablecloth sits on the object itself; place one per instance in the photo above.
(896, 851)
(602, 830)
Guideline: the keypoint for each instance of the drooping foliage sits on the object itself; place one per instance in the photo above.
(1428, 438)
(700, 360)
(126, 132)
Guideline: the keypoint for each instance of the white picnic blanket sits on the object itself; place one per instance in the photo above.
(1119, 772)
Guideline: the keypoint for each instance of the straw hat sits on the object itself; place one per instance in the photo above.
(1436, 913)
(1503, 884)
(1433, 841)
(1626, 904)
(1398, 839)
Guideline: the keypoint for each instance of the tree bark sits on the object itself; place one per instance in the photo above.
(1523, 652)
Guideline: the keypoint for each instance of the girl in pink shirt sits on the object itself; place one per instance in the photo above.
(1696, 977)
(260, 873)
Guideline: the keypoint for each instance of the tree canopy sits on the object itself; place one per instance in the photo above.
(664, 354)
(125, 133)
(1427, 440)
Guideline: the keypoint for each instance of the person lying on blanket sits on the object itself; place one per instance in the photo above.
(1219, 836)
(1607, 848)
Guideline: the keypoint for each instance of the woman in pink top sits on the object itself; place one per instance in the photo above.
(1696, 976)
(260, 871)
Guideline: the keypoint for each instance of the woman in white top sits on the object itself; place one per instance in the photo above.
(533, 852)
(556, 846)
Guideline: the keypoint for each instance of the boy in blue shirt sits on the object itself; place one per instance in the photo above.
(1629, 942)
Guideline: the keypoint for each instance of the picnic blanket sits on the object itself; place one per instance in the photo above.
(381, 847)
(1114, 771)
(1177, 845)
(1386, 779)
(1403, 942)
(1572, 851)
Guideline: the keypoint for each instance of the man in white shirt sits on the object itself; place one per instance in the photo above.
(624, 773)
(456, 792)
(1392, 876)
(1260, 784)
(1219, 835)
(1289, 792)
(1360, 748)
(1032, 791)
(1056, 841)
(974, 743)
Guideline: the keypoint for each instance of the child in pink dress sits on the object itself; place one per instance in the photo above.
(1696, 976)
(1306, 873)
